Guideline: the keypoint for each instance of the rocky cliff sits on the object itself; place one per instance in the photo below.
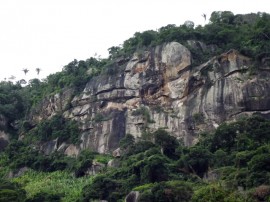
(161, 88)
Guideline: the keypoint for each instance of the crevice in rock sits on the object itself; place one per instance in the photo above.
(265, 111)
(108, 90)
(235, 71)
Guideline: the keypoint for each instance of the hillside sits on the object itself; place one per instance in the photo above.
(178, 114)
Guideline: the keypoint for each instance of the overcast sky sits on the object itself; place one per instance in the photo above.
(48, 34)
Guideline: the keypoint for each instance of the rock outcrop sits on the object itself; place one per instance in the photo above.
(161, 88)
(133, 196)
(4, 140)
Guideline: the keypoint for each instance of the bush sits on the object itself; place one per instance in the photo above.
(173, 191)
(56, 127)
(195, 160)
(11, 192)
(102, 188)
(42, 196)
(213, 193)
(167, 142)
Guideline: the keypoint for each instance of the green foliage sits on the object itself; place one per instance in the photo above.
(167, 191)
(142, 111)
(158, 175)
(213, 193)
(11, 192)
(12, 105)
(220, 154)
(153, 170)
(103, 158)
(196, 160)
(225, 138)
(198, 118)
(127, 141)
(259, 167)
(167, 142)
(248, 33)
(102, 188)
(144, 187)
(43, 196)
(139, 147)
(56, 127)
(74, 75)
(157, 165)
(19, 154)
(52, 185)
(100, 117)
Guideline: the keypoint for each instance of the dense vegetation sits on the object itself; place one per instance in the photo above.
(249, 34)
(160, 168)
(231, 164)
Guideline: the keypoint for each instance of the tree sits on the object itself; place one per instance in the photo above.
(213, 193)
(204, 16)
(11, 192)
(101, 188)
(38, 70)
(225, 137)
(154, 169)
(167, 142)
(43, 196)
(127, 142)
(173, 191)
(22, 81)
(25, 70)
(11, 102)
(259, 166)
(225, 17)
(196, 160)
(113, 51)
(189, 24)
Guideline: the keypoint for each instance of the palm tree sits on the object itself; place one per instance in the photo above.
(204, 16)
(38, 70)
(25, 70)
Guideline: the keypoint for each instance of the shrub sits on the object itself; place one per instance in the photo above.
(167, 142)
(11, 192)
(213, 193)
(173, 191)
(101, 188)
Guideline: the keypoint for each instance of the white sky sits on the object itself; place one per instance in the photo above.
(49, 34)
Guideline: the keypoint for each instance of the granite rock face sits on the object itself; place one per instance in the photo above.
(161, 88)
(4, 140)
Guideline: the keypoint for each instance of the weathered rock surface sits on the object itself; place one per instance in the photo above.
(51, 105)
(49, 147)
(133, 196)
(114, 163)
(172, 93)
(95, 168)
(4, 140)
(18, 172)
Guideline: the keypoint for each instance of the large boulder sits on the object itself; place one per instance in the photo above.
(133, 196)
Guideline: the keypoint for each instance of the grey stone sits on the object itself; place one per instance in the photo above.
(133, 196)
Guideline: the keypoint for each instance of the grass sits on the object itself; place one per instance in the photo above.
(58, 182)
(102, 158)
